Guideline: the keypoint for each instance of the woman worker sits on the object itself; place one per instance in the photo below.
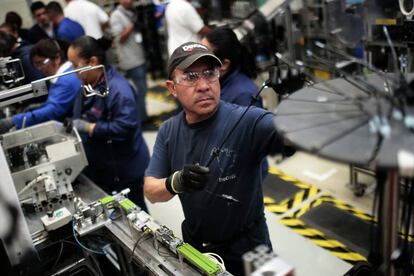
(109, 126)
(47, 56)
(238, 67)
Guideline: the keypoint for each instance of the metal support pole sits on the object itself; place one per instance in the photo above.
(289, 33)
(389, 225)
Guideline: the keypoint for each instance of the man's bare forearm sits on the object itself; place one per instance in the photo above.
(155, 190)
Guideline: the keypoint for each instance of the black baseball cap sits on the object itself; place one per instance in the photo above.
(186, 54)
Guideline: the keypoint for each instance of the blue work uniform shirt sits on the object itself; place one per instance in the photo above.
(239, 89)
(116, 151)
(59, 103)
(23, 53)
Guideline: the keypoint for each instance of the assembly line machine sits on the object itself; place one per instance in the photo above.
(49, 204)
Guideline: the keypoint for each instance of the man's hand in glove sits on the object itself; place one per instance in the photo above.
(83, 126)
(190, 179)
(5, 125)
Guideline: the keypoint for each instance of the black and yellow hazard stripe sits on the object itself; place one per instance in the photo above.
(343, 206)
(320, 239)
(337, 203)
(306, 191)
(317, 237)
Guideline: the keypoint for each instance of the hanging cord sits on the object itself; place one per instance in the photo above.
(139, 240)
(81, 245)
(217, 259)
(404, 11)
(216, 152)
(402, 81)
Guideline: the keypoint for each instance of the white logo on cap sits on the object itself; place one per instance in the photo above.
(189, 48)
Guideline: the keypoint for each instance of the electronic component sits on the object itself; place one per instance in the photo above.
(11, 70)
(141, 222)
(166, 237)
(44, 160)
(89, 217)
(198, 259)
(56, 219)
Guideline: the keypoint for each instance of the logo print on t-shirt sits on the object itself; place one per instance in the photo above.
(225, 160)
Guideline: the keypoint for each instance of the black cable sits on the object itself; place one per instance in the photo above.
(394, 102)
(59, 255)
(333, 90)
(401, 81)
(170, 255)
(83, 246)
(96, 263)
(370, 91)
(136, 244)
(367, 88)
(341, 72)
(356, 60)
(62, 242)
(216, 152)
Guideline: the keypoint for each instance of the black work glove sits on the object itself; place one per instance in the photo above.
(191, 178)
(5, 125)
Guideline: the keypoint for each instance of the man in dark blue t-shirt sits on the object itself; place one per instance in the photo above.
(222, 203)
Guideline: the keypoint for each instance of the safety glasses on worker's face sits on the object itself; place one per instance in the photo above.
(190, 78)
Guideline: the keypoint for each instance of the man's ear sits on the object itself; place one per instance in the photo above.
(171, 87)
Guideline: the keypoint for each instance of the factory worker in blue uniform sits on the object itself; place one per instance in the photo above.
(47, 56)
(238, 69)
(109, 126)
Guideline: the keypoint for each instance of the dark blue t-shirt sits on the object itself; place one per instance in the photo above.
(235, 171)
(238, 88)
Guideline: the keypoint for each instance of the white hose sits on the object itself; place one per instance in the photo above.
(404, 11)
(34, 181)
(217, 259)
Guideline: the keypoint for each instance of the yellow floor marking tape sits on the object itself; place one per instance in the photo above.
(285, 205)
(320, 239)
